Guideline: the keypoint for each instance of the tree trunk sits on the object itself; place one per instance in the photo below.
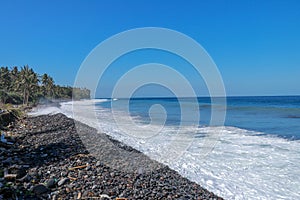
(27, 97)
(24, 96)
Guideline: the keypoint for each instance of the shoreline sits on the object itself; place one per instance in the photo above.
(227, 185)
(49, 160)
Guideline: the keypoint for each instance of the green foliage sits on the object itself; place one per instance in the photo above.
(25, 86)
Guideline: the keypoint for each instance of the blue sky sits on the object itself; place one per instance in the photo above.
(255, 44)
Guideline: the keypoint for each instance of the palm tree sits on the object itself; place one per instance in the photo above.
(44, 83)
(14, 76)
(28, 83)
(48, 86)
(5, 83)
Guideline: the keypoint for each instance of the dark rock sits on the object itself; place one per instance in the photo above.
(7, 161)
(64, 173)
(25, 178)
(21, 172)
(51, 183)
(39, 189)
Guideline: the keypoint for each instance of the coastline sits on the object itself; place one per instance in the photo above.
(257, 171)
(50, 161)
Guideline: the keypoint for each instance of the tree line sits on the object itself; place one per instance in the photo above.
(26, 86)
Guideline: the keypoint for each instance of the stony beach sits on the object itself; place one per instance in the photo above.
(45, 158)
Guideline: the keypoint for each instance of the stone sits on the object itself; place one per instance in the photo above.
(63, 181)
(7, 161)
(39, 189)
(51, 183)
(94, 187)
(21, 172)
(25, 178)
(104, 197)
(98, 164)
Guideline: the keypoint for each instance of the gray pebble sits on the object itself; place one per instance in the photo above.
(63, 181)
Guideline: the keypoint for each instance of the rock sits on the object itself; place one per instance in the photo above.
(25, 166)
(6, 193)
(54, 197)
(112, 174)
(64, 173)
(7, 161)
(26, 185)
(21, 172)
(94, 187)
(62, 181)
(25, 178)
(44, 155)
(39, 189)
(85, 193)
(104, 197)
(99, 164)
(51, 183)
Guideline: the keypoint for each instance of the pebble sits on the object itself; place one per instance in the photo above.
(39, 189)
(104, 197)
(51, 183)
(63, 181)
(98, 164)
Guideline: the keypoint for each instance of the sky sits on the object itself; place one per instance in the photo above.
(255, 44)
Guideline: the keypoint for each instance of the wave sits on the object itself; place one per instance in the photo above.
(266, 109)
(242, 165)
(45, 110)
(293, 116)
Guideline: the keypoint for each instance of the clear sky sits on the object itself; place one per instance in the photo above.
(255, 44)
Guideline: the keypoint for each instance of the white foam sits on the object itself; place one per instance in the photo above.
(243, 164)
(66, 107)
(44, 110)
(247, 165)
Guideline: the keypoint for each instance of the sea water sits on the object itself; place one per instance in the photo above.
(255, 155)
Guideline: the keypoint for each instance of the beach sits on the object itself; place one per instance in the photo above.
(150, 100)
(243, 164)
(47, 160)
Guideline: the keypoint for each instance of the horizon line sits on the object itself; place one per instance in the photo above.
(165, 97)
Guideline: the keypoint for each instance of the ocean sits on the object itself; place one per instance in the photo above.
(254, 155)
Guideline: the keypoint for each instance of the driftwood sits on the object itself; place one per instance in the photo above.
(79, 195)
(72, 178)
(9, 176)
(80, 155)
(78, 167)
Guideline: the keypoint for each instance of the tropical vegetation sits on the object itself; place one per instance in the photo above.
(24, 86)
